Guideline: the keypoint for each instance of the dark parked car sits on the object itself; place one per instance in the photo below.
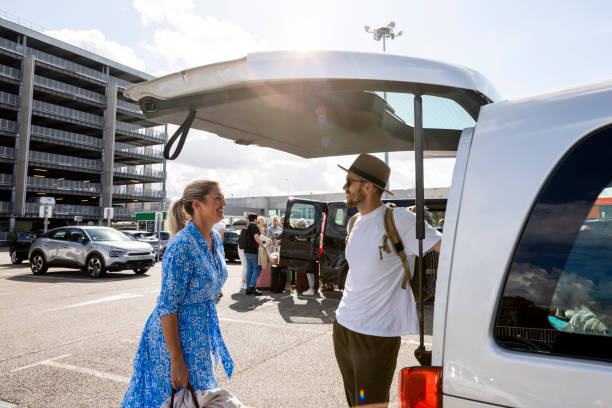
(19, 245)
(230, 244)
(164, 237)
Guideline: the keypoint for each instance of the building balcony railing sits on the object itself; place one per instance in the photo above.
(135, 171)
(5, 207)
(129, 106)
(68, 137)
(66, 185)
(68, 89)
(69, 65)
(7, 152)
(121, 82)
(9, 45)
(8, 98)
(6, 180)
(8, 125)
(145, 151)
(61, 160)
(9, 72)
(129, 192)
(144, 133)
(68, 112)
(122, 212)
(65, 210)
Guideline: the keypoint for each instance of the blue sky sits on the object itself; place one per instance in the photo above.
(522, 47)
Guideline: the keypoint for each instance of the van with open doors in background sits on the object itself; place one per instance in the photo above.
(523, 302)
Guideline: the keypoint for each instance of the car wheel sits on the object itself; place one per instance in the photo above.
(14, 258)
(95, 266)
(140, 271)
(38, 264)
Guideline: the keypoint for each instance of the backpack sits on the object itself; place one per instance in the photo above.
(242, 239)
(392, 235)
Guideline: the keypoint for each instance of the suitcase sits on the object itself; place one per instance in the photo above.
(263, 282)
(279, 279)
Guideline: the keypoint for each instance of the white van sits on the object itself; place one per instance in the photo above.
(523, 305)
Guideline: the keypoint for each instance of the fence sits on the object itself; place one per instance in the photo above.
(9, 98)
(132, 107)
(72, 185)
(149, 133)
(135, 171)
(148, 151)
(62, 160)
(10, 125)
(65, 136)
(69, 65)
(9, 72)
(68, 112)
(137, 192)
(6, 179)
(7, 152)
(121, 82)
(65, 210)
(69, 89)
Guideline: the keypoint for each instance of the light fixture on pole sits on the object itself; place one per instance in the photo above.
(382, 33)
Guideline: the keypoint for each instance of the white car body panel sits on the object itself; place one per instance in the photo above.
(526, 138)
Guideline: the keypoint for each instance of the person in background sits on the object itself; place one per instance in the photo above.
(274, 232)
(253, 242)
(243, 261)
(220, 228)
(261, 224)
(174, 350)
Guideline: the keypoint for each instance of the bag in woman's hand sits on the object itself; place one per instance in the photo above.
(188, 398)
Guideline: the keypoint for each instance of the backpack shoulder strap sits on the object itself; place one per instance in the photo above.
(396, 243)
(349, 227)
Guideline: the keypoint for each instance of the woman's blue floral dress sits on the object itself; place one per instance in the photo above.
(191, 281)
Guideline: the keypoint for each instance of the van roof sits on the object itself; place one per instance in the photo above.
(314, 104)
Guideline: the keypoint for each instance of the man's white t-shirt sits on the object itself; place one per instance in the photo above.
(219, 226)
(374, 302)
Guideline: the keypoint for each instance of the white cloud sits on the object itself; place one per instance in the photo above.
(185, 40)
(94, 41)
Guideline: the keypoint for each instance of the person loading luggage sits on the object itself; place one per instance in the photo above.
(377, 305)
(253, 242)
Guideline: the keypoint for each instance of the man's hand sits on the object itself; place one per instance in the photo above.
(437, 247)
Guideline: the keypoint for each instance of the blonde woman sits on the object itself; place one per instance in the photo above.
(182, 334)
(261, 224)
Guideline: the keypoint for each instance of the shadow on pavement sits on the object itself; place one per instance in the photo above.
(15, 266)
(72, 276)
(298, 309)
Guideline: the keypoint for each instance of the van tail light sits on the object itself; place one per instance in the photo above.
(322, 234)
(420, 387)
(34, 237)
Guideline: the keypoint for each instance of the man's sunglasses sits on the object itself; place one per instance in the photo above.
(350, 181)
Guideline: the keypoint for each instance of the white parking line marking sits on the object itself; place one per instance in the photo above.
(4, 404)
(39, 363)
(415, 342)
(276, 326)
(121, 296)
(52, 363)
(83, 370)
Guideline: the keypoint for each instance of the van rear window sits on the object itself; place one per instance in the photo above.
(557, 297)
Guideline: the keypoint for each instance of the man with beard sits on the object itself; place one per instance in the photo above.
(375, 310)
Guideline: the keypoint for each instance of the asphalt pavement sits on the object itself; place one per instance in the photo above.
(67, 340)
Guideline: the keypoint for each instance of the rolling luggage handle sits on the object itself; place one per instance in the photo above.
(193, 396)
(181, 133)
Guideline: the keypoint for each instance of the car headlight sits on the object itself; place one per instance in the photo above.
(115, 252)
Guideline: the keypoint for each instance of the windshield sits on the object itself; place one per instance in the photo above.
(106, 235)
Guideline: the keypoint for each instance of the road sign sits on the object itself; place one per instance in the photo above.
(78, 218)
(45, 211)
(109, 212)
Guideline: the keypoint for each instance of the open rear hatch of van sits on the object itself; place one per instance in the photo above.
(328, 103)
(318, 104)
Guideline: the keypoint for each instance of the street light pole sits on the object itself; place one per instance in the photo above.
(382, 33)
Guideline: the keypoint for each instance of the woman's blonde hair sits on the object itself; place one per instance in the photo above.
(261, 218)
(181, 210)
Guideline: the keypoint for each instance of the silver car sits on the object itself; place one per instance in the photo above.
(93, 249)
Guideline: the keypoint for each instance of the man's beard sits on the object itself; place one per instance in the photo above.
(355, 198)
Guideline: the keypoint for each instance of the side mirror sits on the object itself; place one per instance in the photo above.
(82, 239)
